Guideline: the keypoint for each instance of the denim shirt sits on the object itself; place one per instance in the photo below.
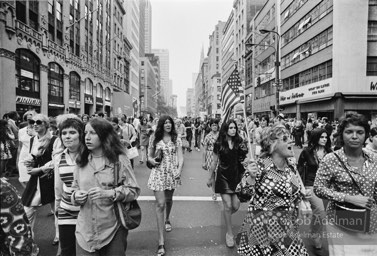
(97, 222)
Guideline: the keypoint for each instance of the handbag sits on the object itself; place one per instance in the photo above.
(128, 213)
(244, 190)
(185, 143)
(349, 216)
(157, 157)
(132, 153)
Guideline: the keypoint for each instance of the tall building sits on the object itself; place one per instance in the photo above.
(163, 55)
(227, 49)
(142, 27)
(148, 87)
(58, 57)
(328, 58)
(131, 29)
(214, 71)
(146, 12)
(190, 102)
(170, 93)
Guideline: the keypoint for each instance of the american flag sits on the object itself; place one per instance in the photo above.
(231, 94)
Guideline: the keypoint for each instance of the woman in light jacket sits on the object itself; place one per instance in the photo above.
(98, 231)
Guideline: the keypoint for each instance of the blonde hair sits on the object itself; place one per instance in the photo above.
(269, 138)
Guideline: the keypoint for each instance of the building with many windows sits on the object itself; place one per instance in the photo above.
(327, 60)
(58, 57)
(163, 55)
(148, 87)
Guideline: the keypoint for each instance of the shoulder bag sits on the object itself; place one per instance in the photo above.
(128, 213)
(349, 216)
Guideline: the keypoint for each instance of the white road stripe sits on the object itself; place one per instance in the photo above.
(180, 198)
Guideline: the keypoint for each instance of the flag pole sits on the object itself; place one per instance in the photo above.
(251, 157)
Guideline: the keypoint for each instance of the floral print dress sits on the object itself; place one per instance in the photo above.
(271, 223)
(209, 142)
(162, 177)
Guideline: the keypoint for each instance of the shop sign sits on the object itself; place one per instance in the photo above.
(311, 91)
(88, 99)
(27, 74)
(373, 86)
(28, 101)
(55, 105)
(74, 104)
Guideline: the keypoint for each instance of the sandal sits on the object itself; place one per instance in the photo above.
(161, 250)
(168, 227)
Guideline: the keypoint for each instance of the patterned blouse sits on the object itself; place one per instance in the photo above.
(15, 236)
(334, 183)
(209, 142)
(271, 223)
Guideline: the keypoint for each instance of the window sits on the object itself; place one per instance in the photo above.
(99, 91)
(55, 83)
(372, 66)
(28, 71)
(74, 86)
(107, 94)
(88, 86)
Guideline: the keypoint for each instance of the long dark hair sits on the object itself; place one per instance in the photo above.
(4, 136)
(315, 135)
(111, 145)
(78, 125)
(159, 134)
(222, 141)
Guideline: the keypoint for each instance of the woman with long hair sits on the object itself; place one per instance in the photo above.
(71, 133)
(98, 231)
(228, 152)
(165, 175)
(207, 157)
(271, 224)
(40, 188)
(308, 163)
(6, 137)
(348, 179)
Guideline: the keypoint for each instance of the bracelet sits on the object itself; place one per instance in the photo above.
(115, 194)
(74, 196)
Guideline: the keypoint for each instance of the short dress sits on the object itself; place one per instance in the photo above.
(162, 177)
(209, 142)
(230, 169)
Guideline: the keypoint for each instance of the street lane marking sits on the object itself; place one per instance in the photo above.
(180, 198)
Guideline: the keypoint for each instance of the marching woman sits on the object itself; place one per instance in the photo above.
(229, 152)
(98, 231)
(209, 142)
(165, 154)
(72, 136)
(271, 223)
(308, 162)
(40, 188)
(348, 179)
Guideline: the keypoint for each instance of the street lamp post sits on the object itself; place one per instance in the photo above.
(277, 65)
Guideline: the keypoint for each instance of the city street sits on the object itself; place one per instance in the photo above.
(198, 227)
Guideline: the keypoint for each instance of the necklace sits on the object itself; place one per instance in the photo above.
(97, 156)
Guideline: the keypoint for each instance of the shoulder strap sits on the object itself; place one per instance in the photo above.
(31, 143)
(116, 173)
(348, 172)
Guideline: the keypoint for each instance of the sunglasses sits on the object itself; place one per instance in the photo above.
(38, 122)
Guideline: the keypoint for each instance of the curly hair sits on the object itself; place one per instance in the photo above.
(315, 135)
(111, 145)
(352, 118)
(222, 141)
(269, 138)
(159, 134)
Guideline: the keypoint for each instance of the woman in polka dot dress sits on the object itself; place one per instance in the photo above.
(271, 223)
(334, 183)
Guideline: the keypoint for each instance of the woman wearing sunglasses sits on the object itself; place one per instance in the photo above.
(40, 188)
(271, 223)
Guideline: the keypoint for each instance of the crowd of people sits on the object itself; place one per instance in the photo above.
(69, 163)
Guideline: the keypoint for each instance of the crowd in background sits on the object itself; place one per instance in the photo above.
(36, 148)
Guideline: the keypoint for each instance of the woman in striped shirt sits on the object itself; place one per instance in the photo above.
(72, 137)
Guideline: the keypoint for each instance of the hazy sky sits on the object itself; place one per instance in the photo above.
(183, 27)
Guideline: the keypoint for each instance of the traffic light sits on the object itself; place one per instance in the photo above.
(272, 108)
(258, 81)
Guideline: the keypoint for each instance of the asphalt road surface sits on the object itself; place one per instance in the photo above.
(198, 226)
